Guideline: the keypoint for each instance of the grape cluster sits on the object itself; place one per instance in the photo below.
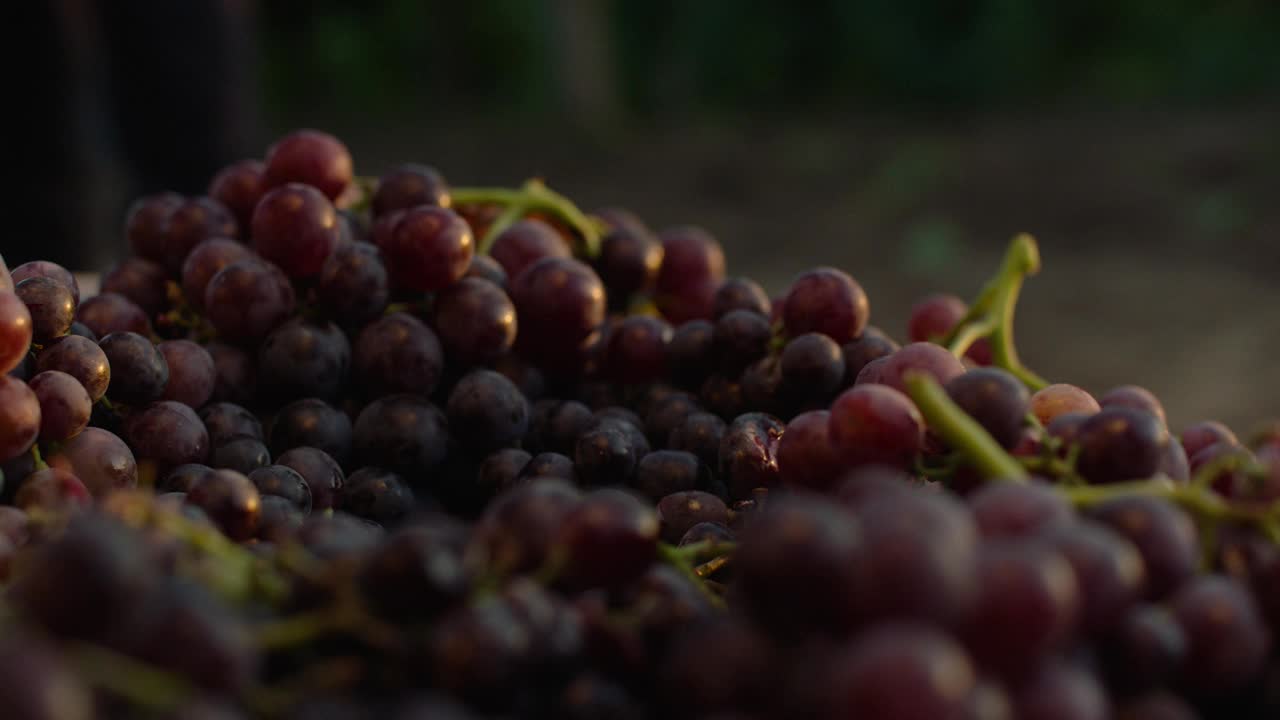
(327, 446)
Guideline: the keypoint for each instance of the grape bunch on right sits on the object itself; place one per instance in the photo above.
(332, 446)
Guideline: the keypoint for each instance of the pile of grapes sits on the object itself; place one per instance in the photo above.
(336, 447)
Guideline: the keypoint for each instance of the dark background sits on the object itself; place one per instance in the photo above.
(904, 140)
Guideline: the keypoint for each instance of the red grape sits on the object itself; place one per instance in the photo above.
(295, 227)
(310, 157)
(429, 249)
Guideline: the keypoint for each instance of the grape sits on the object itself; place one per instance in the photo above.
(476, 321)
(312, 157)
(51, 305)
(239, 186)
(1119, 443)
(296, 228)
(311, 422)
(478, 652)
(412, 576)
(283, 481)
(934, 316)
(689, 353)
(1108, 570)
(524, 243)
(1156, 705)
(484, 267)
(142, 281)
(1059, 399)
(15, 331)
(402, 433)
(168, 434)
(204, 261)
(248, 299)
(486, 411)
(748, 453)
(191, 223)
(806, 458)
(681, 511)
(860, 352)
(499, 470)
(1173, 461)
(230, 500)
(629, 261)
(871, 373)
(548, 465)
(1201, 435)
(80, 358)
(322, 473)
(397, 353)
(923, 357)
(559, 302)
(517, 530)
(353, 287)
(875, 424)
(191, 373)
(15, 524)
(1136, 398)
(556, 424)
(667, 414)
(607, 539)
(19, 417)
(663, 472)
(1013, 510)
(242, 454)
(376, 494)
(636, 350)
(740, 294)
(145, 224)
(52, 489)
(691, 270)
(1061, 691)
(1227, 639)
(715, 667)
(408, 186)
(740, 338)
(762, 388)
(108, 312)
(996, 399)
(139, 372)
(429, 249)
(1163, 534)
(304, 359)
(606, 454)
(813, 368)
(225, 421)
(79, 328)
(182, 478)
(904, 671)
(1027, 605)
(1145, 648)
(828, 301)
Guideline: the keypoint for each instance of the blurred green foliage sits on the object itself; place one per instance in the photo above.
(707, 55)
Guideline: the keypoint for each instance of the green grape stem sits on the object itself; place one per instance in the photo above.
(678, 558)
(960, 431)
(533, 196)
(129, 678)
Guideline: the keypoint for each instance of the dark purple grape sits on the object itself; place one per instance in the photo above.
(403, 433)
(225, 421)
(1145, 648)
(607, 454)
(145, 224)
(139, 371)
(52, 490)
(487, 411)
(1027, 606)
(303, 359)
(762, 389)
(524, 243)
(99, 459)
(689, 353)
(167, 434)
(376, 494)
(707, 532)
(663, 472)
(1203, 434)
(239, 186)
(182, 478)
(1049, 402)
(910, 574)
(192, 375)
(353, 288)
(1108, 570)
(38, 683)
(312, 157)
(904, 671)
(243, 454)
(828, 301)
(876, 424)
(142, 281)
(559, 302)
(15, 330)
(923, 357)
(192, 222)
(748, 454)
(19, 417)
(296, 228)
(283, 481)
(609, 538)
(408, 186)
(555, 425)
(549, 465)
(478, 652)
(741, 337)
(863, 485)
(64, 405)
(667, 414)
(1135, 398)
(398, 354)
(230, 500)
(806, 457)
(236, 379)
(516, 531)
(681, 511)
(716, 667)
(996, 399)
(1119, 443)
(1061, 691)
(1174, 463)
(484, 267)
(796, 565)
(499, 470)
(629, 261)
(740, 294)
(531, 381)
(429, 249)
(858, 353)
(692, 269)
(312, 422)
(812, 369)
(1019, 510)
(412, 576)
(1156, 705)
(636, 350)
(51, 305)
(108, 312)
(248, 299)
(323, 474)
(476, 321)
(1227, 640)
(871, 373)
(204, 261)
